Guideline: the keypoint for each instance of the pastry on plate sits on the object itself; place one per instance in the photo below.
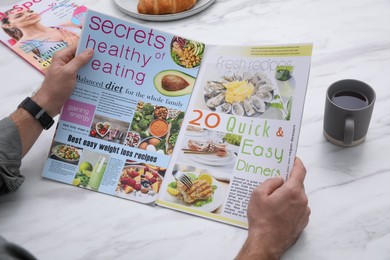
(164, 6)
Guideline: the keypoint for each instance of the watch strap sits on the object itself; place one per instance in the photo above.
(36, 111)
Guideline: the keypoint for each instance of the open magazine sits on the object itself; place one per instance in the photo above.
(35, 30)
(159, 119)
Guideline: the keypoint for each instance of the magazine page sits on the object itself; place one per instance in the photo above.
(35, 30)
(242, 127)
(118, 130)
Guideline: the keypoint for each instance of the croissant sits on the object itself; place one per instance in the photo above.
(164, 6)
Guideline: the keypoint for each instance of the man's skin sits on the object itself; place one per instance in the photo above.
(277, 214)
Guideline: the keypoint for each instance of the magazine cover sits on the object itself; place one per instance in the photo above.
(160, 119)
(35, 30)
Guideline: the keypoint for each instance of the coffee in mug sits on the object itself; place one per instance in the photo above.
(348, 109)
(350, 99)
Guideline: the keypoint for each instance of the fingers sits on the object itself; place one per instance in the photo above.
(66, 58)
(65, 55)
(80, 60)
(298, 172)
(270, 185)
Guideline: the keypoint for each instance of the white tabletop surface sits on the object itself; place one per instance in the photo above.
(348, 188)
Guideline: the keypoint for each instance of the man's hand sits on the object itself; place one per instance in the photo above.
(60, 79)
(277, 214)
(58, 85)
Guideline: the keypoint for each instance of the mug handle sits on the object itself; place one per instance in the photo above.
(349, 130)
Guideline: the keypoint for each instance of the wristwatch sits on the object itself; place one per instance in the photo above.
(36, 111)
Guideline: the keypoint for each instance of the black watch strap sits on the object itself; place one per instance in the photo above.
(36, 111)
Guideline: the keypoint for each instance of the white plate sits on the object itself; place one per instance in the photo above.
(130, 8)
(213, 160)
(218, 198)
(201, 133)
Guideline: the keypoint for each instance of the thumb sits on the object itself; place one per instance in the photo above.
(270, 185)
(80, 60)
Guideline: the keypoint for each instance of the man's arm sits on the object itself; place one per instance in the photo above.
(277, 214)
(20, 130)
(58, 85)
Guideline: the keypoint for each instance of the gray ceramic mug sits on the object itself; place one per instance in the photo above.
(348, 109)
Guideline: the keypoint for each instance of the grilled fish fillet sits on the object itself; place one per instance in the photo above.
(200, 190)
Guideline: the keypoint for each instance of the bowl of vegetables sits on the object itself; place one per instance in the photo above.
(66, 152)
(186, 53)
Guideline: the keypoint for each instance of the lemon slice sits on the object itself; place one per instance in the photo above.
(206, 177)
(233, 84)
(172, 191)
(244, 89)
(238, 91)
(76, 182)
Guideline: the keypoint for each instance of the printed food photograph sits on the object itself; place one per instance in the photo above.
(90, 170)
(139, 181)
(196, 131)
(174, 83)
(159, 169)
(214, 150)
(285, 81)
(284, 73)
(83, 174)
(195, 188)
(108, 129)
(154, 128)
(65, 152)
(245, 94)
(186, 53)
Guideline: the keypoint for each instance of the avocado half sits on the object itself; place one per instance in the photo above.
(158, 85)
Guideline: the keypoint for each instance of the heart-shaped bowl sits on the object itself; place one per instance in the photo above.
(102, 128)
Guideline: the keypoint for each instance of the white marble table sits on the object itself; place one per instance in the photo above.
(348, 188)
